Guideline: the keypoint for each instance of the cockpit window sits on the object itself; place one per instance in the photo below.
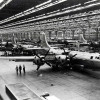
(97, 58)
(91, 57)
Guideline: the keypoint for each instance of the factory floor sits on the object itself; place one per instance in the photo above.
(65, 85)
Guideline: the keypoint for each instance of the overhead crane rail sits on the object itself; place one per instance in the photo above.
(32, 10)
(93, 15)
(56, 13)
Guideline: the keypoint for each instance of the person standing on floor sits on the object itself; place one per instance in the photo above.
(16, 69)
(20, 68)
(24, 69)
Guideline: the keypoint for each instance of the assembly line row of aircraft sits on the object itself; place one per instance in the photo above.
(57, 57)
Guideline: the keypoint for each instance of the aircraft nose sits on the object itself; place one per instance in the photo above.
(68, 59)
(43, 59)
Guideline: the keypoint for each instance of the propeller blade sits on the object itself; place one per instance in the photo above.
(73, 56)
(36, 54)
(48, 63)
(46, 53)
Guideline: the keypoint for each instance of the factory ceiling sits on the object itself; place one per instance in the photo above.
(17, 6)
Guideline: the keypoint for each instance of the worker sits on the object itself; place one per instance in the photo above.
(20, 68)
(24, 69)
(16, 69)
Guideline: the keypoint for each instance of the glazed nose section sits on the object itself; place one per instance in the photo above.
(60, 58)
(42, 59)
(38, 61)
(68, 59)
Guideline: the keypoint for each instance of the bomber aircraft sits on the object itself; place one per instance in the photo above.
(52, 56)
(84, 60)
(78, 43)
(4, 46)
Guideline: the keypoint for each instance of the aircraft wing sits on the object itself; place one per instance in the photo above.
(39, 48)
(18, 58)
(34, 48)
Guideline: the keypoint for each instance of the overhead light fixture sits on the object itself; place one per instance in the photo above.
(1, 1)
(91, 1)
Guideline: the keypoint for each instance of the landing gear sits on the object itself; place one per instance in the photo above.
(55, 67)
(78, 67)
(38, 67)
(67, 67)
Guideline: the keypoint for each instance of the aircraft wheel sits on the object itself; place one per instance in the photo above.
(55, 67)
(66, 67)
(78, 67)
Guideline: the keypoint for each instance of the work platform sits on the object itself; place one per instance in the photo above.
(20, 91)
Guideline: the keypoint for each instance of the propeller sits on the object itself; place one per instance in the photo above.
(46, 53)
(42, 58)
(65, 53)
(73, 56)
(71, 60)
(45, 57)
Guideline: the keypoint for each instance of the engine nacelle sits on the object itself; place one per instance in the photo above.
(38, 60)
(78, 66)
(62, 59)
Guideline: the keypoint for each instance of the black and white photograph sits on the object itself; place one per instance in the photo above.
(49, 49)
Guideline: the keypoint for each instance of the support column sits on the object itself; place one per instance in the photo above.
(13, 37)
(2, 38)
(73, 32)
(64, 34)
(17, 35)
(30, 36)
(97, 33)
(35, 37)
(21, 36)
(25, 36)
(50, 34)
(83, 30)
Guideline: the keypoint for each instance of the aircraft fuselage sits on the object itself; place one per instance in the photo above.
(86, 60)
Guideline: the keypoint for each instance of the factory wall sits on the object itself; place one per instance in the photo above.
(64, 27)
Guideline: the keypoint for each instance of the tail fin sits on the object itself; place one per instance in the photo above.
(81, 39)
(43, 39)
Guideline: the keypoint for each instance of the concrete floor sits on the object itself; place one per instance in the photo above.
(64, 85)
